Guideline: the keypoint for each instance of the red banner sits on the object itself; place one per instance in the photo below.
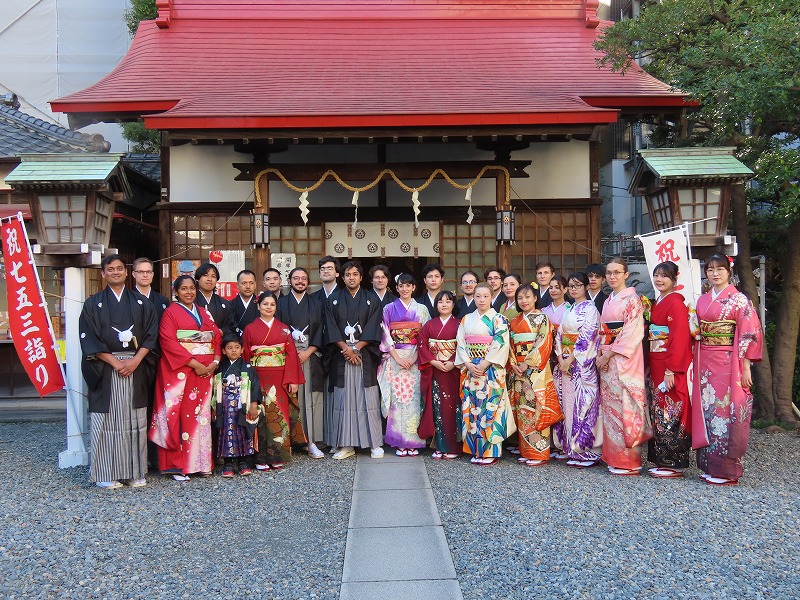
(28, 320)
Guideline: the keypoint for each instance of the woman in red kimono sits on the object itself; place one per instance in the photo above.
(670, 356)
(440, 381)
(190, 353)
(269, 347)
(730, 339)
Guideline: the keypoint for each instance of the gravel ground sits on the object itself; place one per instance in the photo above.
(565, 533)
(280, 536)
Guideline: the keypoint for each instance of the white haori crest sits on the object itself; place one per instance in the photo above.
(124, 336)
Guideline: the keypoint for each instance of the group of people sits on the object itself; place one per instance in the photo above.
(511, 365)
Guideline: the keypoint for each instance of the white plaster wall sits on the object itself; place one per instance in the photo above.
(205, 174)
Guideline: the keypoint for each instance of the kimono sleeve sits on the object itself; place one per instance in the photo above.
(255, 385)
(386, 324)
(462, 357)
(540, 355)
(497, 354)
(332, 329)
(630, 338)
(371, 331)
(89, 326)
(679, 349)
(292, 370)
(423, 351)
(748, 329)
(588, 336)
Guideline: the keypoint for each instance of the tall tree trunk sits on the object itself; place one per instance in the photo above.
(764, 407)
(787, 324)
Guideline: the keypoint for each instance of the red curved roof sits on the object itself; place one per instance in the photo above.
(450, 64)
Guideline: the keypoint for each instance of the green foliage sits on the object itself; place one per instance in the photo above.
(141, 10)
(144, 140)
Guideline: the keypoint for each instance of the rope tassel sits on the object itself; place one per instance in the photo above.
(355, 203)
(468, 198)
(415, 204)
(304, 207)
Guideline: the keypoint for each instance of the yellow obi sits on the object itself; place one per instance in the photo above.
(609, 332)
(478, 345)
(197, 343)
(268, 356)
(658, 336)
(568, 344)
(442, 349)
(405, 332)
(717, 333)
(524, 344)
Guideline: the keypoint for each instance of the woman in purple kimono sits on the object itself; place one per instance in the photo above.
(398, 373)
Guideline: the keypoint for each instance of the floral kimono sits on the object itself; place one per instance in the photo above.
(580, 435)
(181, 425)
(623, 402)
(441, 417)
(401, 400)
(670, 348)
(271, 350)
(485, 408)
(533, 394)
(721, 407)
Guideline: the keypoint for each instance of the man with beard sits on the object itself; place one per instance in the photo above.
(494, 277)
(303, 314)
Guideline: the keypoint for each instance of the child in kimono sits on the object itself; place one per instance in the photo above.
(237, 395)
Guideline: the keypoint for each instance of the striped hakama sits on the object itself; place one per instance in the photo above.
(119, 437)
(356, 412)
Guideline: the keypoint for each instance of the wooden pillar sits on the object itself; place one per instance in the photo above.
(502, 202)
(261, 260)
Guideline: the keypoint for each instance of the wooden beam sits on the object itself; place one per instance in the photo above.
(369, 171)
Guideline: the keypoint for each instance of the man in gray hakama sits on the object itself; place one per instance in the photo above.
(119, 332)
(352, 321)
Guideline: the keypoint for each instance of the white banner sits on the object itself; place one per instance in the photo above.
(673, 245)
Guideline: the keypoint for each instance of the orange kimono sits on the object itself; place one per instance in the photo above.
(534, 393)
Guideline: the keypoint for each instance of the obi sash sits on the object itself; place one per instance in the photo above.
(658, 335)
(268, 356)
(717, 333)
(568, 344)
(196, 342)
(478, 346)
(405, 332)
(609, 332)
(524, 344)
(442, 349)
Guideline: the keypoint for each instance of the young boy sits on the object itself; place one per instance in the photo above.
(597, 278)
(237, 395)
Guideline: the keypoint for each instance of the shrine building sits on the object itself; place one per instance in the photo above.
(393, 131)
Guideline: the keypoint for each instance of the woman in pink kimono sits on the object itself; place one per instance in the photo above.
(730, 339)
(398, 373)
(190, 353)
(620, 363)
